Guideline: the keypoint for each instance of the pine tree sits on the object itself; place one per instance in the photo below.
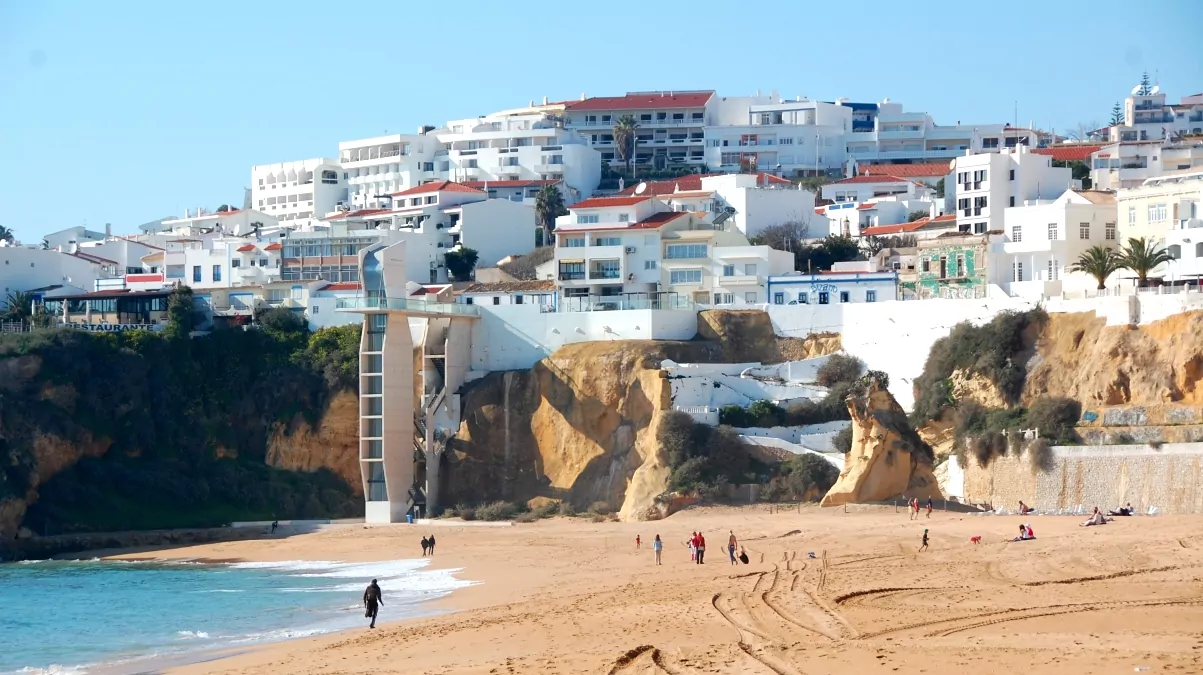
(1117, 114)
(1146, 87)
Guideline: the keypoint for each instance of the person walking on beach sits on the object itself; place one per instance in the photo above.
(924, 546)
(657, 546)
(701, 549)
(693, 547)
(275, 524)
(731, 544)
(929, 507)
(425, 545)
(431, 542)
(637, 541)
(372, 599)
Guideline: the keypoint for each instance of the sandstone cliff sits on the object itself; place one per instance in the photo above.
(888, 459)
(332, 444)
(1078, 356)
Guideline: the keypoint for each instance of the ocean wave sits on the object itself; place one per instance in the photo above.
(52, 669)
(192, 635)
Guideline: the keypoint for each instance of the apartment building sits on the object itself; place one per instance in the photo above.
(74, 236)
(540, 294)
(1160, 205)
(523, 191)
(869, 186)
(236, 222)
(671, 126)
(297, 194)
(989, 183)
(25, 269)
(213, 261)
(802, 138)
(374, 168)
(623, 251)
(1040, 243)
(1154, 138)
(952, 265)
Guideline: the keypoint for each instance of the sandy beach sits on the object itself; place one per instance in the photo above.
(573, 596)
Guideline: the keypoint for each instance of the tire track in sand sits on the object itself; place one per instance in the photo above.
(753, 642)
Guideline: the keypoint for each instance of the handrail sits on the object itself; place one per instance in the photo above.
(405, 304)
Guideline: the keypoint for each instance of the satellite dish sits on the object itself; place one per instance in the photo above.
(1135, 89)
(952, 165)
(1156, 88)
(641, 188)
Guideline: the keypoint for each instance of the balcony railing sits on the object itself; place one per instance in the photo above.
(549, 168)
(572, 276)
(405, 305)
(604, 274)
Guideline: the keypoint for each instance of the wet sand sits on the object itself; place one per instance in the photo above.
(573, 596)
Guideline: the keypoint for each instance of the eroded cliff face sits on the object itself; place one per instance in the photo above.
(888, 459)
(1079, 357)
(332, 444)
(51, 454)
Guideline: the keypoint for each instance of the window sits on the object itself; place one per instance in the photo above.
(1017, 271)
(1052, 269)
(1012, 174)
(1052, 231)
(824, 298)
(649, 264)
(1083, 230)
(870, 296)
(1016, 233)
(979, 228)
(1109, 231)
(315, 309)
(723, 298)
(728, 270)
(750, 269)
(1012, 201)
(468, 301)
(1199, 250)
(1131, 215)
(496, 299)
(925, 265)
(779, 298)
(843, 296)
(979, 203)
(586, 220)
(572, 242)
(624, 217)
(607, 241)
(803, 298)
(196, 274)
(680, 251)
(750, 296)
(1157, 213)
(1175, 251)
(685, 277)
(235, 263)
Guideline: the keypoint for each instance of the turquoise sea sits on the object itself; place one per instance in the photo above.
(113, 617)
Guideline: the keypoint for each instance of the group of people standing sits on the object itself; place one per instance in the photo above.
(697, 548)
(428, 545)
(914, 508)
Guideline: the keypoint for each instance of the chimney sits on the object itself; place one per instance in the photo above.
(582, 96)
(108, 230)
(544, 100)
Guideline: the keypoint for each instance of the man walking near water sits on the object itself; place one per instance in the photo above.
(372, 599)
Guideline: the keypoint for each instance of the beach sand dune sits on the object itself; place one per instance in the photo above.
(845, 593)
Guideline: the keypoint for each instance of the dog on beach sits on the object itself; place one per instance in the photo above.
(976, 540)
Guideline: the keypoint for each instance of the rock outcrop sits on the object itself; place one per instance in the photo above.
(1078, 356)
(747, 335)
(332, 444)
(888, 459)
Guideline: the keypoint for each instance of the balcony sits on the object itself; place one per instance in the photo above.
(470, 172)
(513, 170)
(740, 280)
(899, 133)
(549, 168)
(605, 273)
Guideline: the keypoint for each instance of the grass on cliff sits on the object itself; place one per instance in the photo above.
(992, 350)
(164, 404)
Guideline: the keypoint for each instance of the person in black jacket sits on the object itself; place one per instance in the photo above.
(372, 599)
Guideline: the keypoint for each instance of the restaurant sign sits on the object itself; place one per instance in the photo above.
(113, 327)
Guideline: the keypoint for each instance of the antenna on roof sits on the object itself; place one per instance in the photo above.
(641, 188)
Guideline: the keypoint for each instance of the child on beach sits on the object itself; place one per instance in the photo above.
(657, 546)
(693, 547)
(924, 546)
(637, 541)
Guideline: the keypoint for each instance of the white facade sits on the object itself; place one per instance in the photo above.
(989, 183)
(1042, 242)
(865, 188)
(541, 294)
(214, 261)
(671, 127)
(847, 282)
(376, 167)
(1128, 164)
(236, 222)
(65, 239)
(298, 193)
(788, 138)
(24, 269)
(1168, 211)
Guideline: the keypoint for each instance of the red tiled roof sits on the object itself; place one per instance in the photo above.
(246, 247)
(272, 247)
(643, 101)
(436, 186)
(820, 211)
(604, 202)
(693, 181)
(923, 170)
(872, 178)
(356, 214)
(652, 222)
(906, 227)
(91, 258)
(341, 286)
(480, 184)
(866, 207)
(1068, 153)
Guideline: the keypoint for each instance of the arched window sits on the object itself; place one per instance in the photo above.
(1175, 251)
(1199, 250)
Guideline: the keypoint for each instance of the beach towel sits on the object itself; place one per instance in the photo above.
(743, 558)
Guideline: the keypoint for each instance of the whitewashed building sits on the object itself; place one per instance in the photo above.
(989, 183)
(297, 194)
(847, 282)
(74, 236)
(1041, 242)
(540, 294)
(671, 131)
(24, 269)
(1168, 211)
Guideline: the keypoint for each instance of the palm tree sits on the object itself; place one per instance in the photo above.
(1099, 262)
(1141, 257)
(624, 139)
(549, 203)
(7, 235)
(20, 306)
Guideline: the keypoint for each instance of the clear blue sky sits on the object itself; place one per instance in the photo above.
(126, 111)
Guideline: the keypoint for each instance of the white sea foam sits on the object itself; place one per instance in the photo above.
(52, 669)
(192, 635)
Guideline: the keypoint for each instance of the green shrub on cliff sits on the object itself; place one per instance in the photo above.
(802, 477)
(201, 410)
(993, 350)
(988, 433)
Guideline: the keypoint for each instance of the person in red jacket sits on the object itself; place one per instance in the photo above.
(701, 549)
